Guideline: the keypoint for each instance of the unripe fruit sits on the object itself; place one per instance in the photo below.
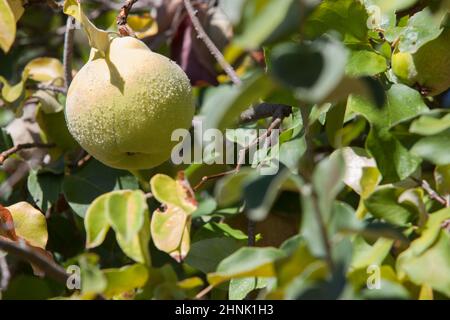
(432, 62)
(429, 66)
(122, 109)
(403, 67)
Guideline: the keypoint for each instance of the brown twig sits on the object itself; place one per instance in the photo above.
(24, 252)
(209, 44)
(122, 17)
(48, 87)
(307, 170)
(5, 273)
(205, 291)
(68, 51)
(265, 110)
(433, 194)
(7, 153)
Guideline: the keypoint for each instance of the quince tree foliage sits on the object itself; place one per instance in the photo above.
(95, 202)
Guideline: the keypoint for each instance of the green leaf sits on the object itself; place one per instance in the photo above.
(246, 262)
(260, 193)
(365, 63)
(228, 190)
(394, 161)
(428, 125)
(442, 178)
(29, 224)
(92, 180)
(313, 69)
(435, 260)
(92, 279)
(348, 17)
(126, 210)
(276, 18)
(327, 181)
(7, 26)
(421, 28)
(44, 187)
(225, 229)
(127, 213)
(384, 204)
(241, 287)
(124, 280)
(365, 255)
(96, 222)
(361, 173)
(402, 103)
(434, 148)
(48, 102)
(137, 248)
(430, 231)
(206, 254)
(224, 104)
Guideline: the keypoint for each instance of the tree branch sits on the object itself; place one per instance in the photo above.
(5, 273)
(68, 51)
(265, 110)
(433, 194)
(48, 87)
(308, 159)
(121, 20)
(209, 44)
(24, 252)
(7, 153)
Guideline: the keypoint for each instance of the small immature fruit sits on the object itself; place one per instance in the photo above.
(403, 67)
(429, 66)
(122, 109)
(432, 62)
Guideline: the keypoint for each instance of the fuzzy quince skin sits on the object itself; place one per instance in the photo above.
(122, 109)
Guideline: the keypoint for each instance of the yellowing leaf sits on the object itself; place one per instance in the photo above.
(98, 39)
(126, 212)
(247, 262)
(30, 224)
(170, 227)
(167, 190)
(12, 93)
(190, 283)
(137, 248)
(124, 279)
(17, 8)
(429, 267)
(44, 69)
(48, 103)
(7, 26)
(96, 222)
(167, 228)
(143, 25)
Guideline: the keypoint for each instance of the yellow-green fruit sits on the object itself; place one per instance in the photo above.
(429, 66)
(432, 62)
(123, 109)
(403, 67)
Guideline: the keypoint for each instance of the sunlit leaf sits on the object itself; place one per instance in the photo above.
(30, 224)
(246, 262)
(7, 26)
(125, 279)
